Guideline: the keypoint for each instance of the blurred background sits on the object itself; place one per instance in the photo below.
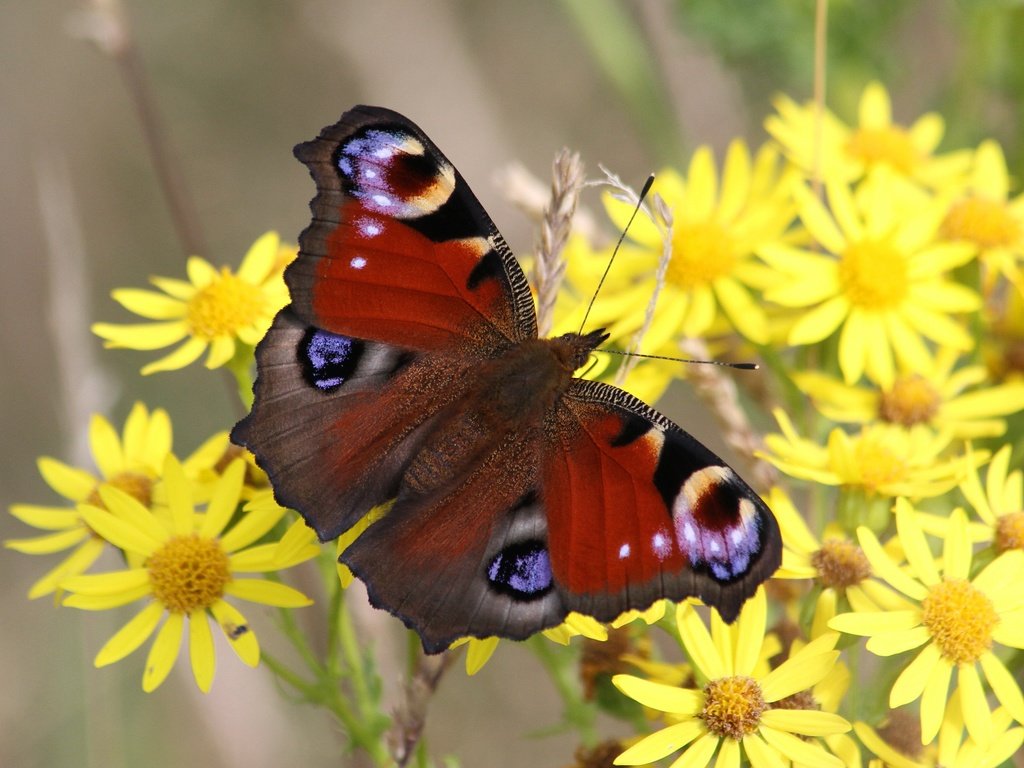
(632, 85)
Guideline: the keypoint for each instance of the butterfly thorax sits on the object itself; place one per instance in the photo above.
(511, 401)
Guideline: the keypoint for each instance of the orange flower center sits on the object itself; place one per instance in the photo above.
(841, 563)
(912, 400)
(890, 145)
(987, 223)
(702, 252)
(189, 573)
(733, 706)
(227, 304)
(138, 486)
(960, 618)
(1010, 532)
(873, 274)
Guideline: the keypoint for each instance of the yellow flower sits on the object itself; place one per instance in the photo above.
(822, 146)
(717, 225)
(956, 618)
(835, 562)
(942, 396)
(739, 709)
(988, 218)
(957, 752)
(212, 309)
(882, 460)
(189, 564)
(897, 742)
(881, 278)
(132, 463)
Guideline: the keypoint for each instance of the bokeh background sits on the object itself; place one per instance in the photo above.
(630, 84)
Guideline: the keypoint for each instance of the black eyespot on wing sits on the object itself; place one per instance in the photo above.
(328, 359)
(521, 570)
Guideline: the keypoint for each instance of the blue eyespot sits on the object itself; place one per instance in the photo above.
(328, 359)
(522, 570)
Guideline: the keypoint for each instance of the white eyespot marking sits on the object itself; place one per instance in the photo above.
(345, 165)
(358, 262)
(369, 173)
(661, 545)
(382, 200)
(623, 551)
(369, 228)
(384, 152)
(689, 533)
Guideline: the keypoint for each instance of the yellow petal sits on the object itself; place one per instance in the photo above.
(200, 272)
(70, 482)
(479, 652)
(222, 349)
(238, 632)
(698, 642)
(957, 547)
(820, 322)
(118, 532)
(885, 568)
(141, 335)
(150, 304)
(665, 698)
(259, 260)
(77, 562)
(749, 632)
(106, 602)
(1003, 684)
(933, 701)
(977, 716)
(761, 755)
(184, 355)
(915, 545)
(200, 650)
(661, 743)
(50, 543)
(899, 641)
(806, 722)
(224, 501)
(912, 680)
(267, 592)
(163, 652)
(798, 750)
(179, 497)
(131, 635)
(107, 583)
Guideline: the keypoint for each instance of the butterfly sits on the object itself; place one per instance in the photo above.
(408, 368)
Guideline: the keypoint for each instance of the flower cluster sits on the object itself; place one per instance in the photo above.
(880, 279)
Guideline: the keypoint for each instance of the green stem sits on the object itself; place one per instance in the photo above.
(561, 668)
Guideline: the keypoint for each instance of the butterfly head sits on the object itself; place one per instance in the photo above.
(574, 349)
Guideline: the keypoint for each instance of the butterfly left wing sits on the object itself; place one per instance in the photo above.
(638, 510)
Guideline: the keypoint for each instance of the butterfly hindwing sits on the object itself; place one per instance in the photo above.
(637, 509)
(399, 249)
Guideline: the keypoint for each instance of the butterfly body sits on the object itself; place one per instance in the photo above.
(408, 369)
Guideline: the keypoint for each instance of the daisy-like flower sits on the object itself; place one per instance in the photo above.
(737, 711)
(822, 145)
(988, 218)
(190, 563)
(945, 397)
(882, 460)
(835, 562)
(131, 462)
(880, 280)
(957, 619)
(717, 223)
(212, 310)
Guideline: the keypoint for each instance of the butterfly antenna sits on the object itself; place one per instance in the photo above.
(723, 363)
(639, 202)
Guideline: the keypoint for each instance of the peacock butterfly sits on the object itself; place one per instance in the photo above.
(408, 367)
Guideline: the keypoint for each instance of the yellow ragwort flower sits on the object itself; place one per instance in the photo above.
(211, 310)
(835, 562)
(131, 462)
(717, 224)
(881, 460)
(956, 618)
(988, 218)
(189, 563)
(880, 280)
(741, 708)
(822, 146)
(945, 397)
